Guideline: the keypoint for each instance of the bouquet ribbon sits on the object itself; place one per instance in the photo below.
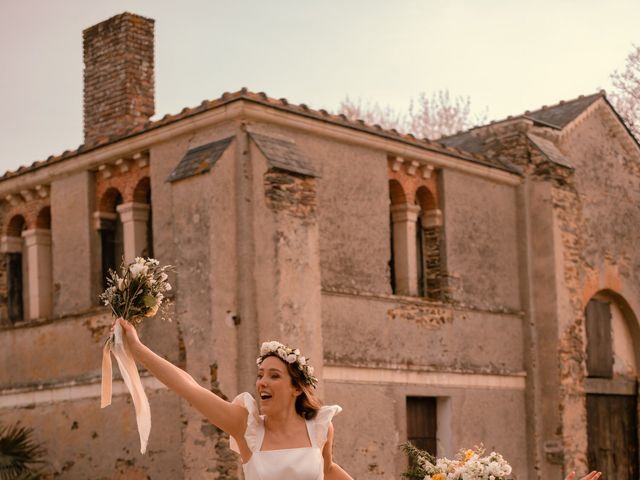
(129, 372)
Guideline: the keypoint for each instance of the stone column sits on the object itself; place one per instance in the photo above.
(134, 218)
(403, 218)
(38, 253)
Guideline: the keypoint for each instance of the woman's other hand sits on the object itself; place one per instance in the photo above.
(591, 476)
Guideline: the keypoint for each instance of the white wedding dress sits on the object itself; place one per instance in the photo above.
(291, 463)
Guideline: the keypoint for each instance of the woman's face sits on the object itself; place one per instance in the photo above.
(273, 385)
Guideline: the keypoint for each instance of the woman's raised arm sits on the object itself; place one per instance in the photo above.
(224, 415)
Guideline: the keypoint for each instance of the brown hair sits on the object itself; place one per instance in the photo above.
(307, 404)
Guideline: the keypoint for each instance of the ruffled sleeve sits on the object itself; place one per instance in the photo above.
(254, 423)
(322, 421)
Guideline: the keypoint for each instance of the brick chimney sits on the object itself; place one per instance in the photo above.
(118, 75)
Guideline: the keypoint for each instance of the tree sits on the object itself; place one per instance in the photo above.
(626, 94)
(21, 458)
(429, 117)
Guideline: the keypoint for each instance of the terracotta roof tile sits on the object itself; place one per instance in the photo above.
(264, 99)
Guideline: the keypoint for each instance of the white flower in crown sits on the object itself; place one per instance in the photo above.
(291, 358)
(268, 347)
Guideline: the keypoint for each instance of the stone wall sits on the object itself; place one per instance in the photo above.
(481, 242)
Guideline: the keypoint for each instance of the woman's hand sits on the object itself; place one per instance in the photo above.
(591, 476)
(129, 334)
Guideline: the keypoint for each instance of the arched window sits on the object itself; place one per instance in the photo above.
(403, 217)
(111, 234)
(16, 266)
(142, 200)
(396, 197)
(611, 386)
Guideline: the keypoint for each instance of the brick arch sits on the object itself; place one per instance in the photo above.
(16, 225)
(397, 194)
(109, 200)
(142, 191)
(425, 199)
(43, 220)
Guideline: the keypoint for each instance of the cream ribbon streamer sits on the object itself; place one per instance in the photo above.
(129, 372)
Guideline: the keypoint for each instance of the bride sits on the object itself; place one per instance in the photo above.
(293, 437)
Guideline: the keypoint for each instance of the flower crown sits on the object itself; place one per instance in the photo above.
(291, 356)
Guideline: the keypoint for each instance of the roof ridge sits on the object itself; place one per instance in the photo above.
(527, 113)
(259, 97)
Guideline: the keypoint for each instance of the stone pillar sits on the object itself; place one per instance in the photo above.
(38, 253)
(134, 218)
(403, 218)
(75, 287)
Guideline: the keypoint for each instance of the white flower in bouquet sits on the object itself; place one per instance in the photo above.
(138, 290)
(469, 465)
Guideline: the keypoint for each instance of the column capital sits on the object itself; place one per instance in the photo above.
(10, 244)
(104, 220)
(404, 212)
(431, 218)
(133, 212)
(37, 236)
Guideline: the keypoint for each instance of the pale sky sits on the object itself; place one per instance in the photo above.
(506, 55)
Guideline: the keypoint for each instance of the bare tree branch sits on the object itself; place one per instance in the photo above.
(626, 94)
(427, 117)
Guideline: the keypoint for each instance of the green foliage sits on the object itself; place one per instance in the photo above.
(21, 457)
(415, 471)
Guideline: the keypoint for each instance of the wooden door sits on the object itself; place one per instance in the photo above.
(422, 423)
(612, 428)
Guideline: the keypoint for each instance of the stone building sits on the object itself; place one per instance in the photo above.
(481, 289)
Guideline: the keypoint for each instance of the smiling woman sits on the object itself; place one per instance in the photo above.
(288, 435)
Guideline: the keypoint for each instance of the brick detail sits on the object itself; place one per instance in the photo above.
(291, 193)
(436, 277)
(130, 184)
(572, 348)
(34, 212)
(118, 76)
(508, 141)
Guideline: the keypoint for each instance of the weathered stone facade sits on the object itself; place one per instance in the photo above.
(403, 268)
